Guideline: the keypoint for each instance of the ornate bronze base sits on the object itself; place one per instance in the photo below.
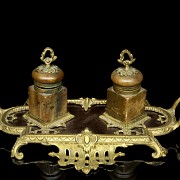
(87, 142)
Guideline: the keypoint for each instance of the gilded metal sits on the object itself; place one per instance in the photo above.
(87, 150)
(166, 117)
(86, 103)
(48, 60)
(126, 63)
(58, 122)
(91, 148)
(7, 116)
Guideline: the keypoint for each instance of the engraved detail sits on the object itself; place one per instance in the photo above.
(129, 72)
(86, 103)
(86, 140)
(58, 122)
(86, 151)
(8, 117)
(47, 69)
(113, 122)
(169, 121)
(162, 119)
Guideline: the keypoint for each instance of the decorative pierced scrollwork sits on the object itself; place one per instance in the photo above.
(87, 150)
(86, 103)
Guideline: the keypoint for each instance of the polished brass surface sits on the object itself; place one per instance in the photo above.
(91, 147)
(87, 133)
(86, 103)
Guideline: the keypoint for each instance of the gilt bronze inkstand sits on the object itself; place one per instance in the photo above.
(88, 132)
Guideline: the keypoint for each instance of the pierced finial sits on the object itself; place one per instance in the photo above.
(48, 60)
(126, 63)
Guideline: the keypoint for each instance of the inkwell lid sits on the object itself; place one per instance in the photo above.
(126, 77)
(47, 75)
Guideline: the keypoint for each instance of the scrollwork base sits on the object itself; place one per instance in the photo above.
(87, 151)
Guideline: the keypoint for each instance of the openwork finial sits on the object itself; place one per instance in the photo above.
(128, 62)
(48, 60)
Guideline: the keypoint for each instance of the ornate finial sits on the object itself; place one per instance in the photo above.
(126, 63)
(48, 60)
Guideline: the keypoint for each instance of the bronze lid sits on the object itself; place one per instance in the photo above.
(47, 73)
(126, 76)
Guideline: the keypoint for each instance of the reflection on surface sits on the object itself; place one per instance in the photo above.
(129, 170)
